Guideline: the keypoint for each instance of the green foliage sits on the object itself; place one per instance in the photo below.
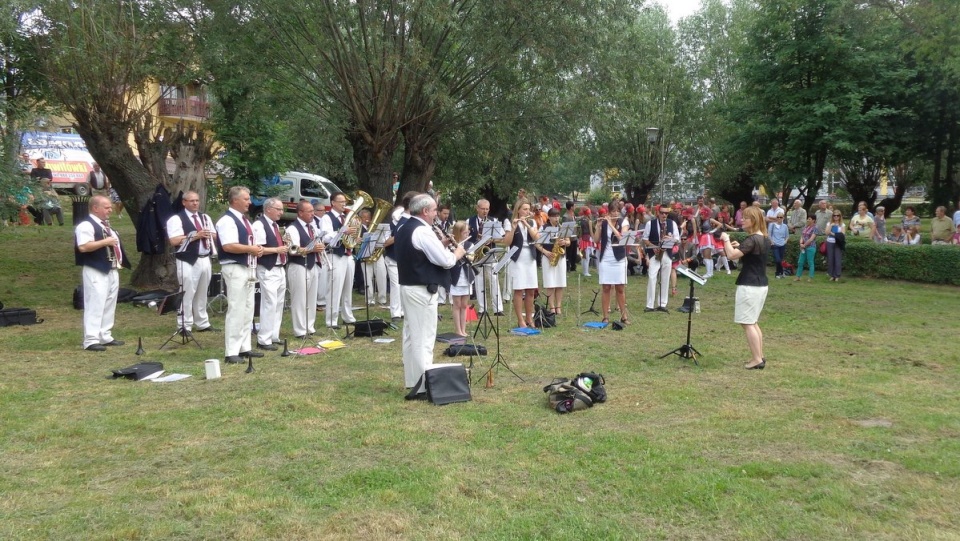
(924, 263)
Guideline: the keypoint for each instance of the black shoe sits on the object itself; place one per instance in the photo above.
(757, 366)
(267, 347)
(207, 329)
(498, 314)
(114, 343)
(233, 359)
(649, 310)
(254, 354)
(663, 309)
(334, 327)
(95, 347)
(301, 337)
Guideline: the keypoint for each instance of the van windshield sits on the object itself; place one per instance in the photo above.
(310, 189)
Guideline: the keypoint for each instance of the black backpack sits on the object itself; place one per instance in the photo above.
(581, 392)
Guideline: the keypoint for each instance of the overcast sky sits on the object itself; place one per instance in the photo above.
(680, 8)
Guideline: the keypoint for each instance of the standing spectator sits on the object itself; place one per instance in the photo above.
(823, 215)
(714, 209)
(724, 215)
(41, 171)
(879, 234)
(586, 239)
(941, 227)
(910, 218)
(98, 181)
(779, 233)
(798, 217)
(956, 236)
(835, 241)
(738, 217)
(99, 252)
(775, 210)
(752, 284)
(861, 223)
(808, 247)
(569, 216)
(956, 215)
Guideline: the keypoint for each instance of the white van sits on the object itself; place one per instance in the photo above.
(292, 186)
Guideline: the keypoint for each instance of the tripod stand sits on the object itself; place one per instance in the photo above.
(185, 335)
(687, 351)
(593, 305)
(218, 302)
(499, 359)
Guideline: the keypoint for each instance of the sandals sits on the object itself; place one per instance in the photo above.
(605, 320)
(673, 291)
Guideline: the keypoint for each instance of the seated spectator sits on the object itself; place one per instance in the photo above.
(913, 236)
(897, 236)
(49, 203)
(941, 227)
(956, 237)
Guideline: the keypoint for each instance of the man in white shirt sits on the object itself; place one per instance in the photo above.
(303, 270)
(424, 265)
(193, 260)
(775, 210)
(342, 268)
(270, 273)
(659, 237)
(97, 249)
(238, 266)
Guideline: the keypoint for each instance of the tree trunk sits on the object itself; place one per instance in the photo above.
(419, 159)
(372, 160)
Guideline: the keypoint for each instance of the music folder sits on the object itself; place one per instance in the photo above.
(684, 270)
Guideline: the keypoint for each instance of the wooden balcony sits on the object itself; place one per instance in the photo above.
(184, 107)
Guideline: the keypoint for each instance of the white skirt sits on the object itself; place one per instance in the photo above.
(554, 276)
(462, 287)
(523, 272)
(749, 303)
(612, 272)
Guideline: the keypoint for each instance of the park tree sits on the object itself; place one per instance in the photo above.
(407, 76)
(97, 59)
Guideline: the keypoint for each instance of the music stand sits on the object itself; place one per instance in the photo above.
(484, 323)
(370, 327)
(687, 351)
(500, 359)
(172, 303)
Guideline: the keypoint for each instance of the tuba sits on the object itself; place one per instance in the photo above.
(352, 220)
(381, 210)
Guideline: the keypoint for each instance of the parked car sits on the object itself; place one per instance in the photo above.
(292, 186)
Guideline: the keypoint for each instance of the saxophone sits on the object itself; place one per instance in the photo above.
(557, 253)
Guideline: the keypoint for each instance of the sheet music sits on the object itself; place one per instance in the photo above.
(186, 242)
(493, 229)
(629, 239)
(682, 269)
(505, 260)
(567, 229)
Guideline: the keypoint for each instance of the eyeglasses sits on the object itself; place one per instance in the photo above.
(837, 215)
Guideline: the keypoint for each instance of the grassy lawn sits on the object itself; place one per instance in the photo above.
(851, 432)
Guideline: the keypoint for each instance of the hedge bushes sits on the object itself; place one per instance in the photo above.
(924, 263)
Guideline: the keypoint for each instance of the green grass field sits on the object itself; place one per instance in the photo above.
(851, 432)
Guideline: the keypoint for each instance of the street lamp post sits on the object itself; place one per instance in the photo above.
(653, 135)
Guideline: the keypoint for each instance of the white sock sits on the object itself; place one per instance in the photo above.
(709, 266)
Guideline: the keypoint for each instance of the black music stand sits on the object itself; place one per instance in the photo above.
(484, 322)
(367, 327)
(593, 305)
(172, 303)
(687, 351)
(499, 359)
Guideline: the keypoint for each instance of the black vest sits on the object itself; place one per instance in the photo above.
(192, 253)
(390, 251)
(413, 267)
(310, 259)
(619, 252)
(97, 259)
(518, 242)
(242, 238)
(269, 261)
(337, 225)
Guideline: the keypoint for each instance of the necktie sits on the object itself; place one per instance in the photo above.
(251, 259)
(310, 231)
(276, 233)
(247, 225)
(117, 256)
(196, 223)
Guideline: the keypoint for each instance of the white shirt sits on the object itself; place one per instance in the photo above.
(175, 228)
(669, 228)
(228, 233)
(295, 239)
(956, 218)
(327, 232)
(774, 212)
(425, 240)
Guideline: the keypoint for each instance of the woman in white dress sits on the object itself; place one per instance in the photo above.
(613, 260)
(554, 276)
(523, 270)
(462, 277)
